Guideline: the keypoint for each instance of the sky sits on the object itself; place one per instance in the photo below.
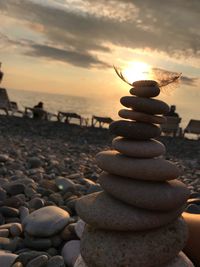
(70, 46)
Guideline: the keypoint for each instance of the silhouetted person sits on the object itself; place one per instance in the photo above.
(39, 112)
(172, 112)
(1, 74)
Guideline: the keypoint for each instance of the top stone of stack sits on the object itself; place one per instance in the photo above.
(145, 88)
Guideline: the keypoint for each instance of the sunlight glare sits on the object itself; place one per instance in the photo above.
(136, 71)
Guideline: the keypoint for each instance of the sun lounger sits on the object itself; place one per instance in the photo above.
(101, 121)
(171, 127)
(193, 127)
(9, 107)
(29, 113)
(68, 116)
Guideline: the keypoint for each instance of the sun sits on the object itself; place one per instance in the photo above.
(137, 70)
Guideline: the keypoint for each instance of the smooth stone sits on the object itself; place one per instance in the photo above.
(7, 244)
(17, 264)
(7, 259)
(80, 262)
(56, 261)
(2, 194)
(27, 256)
(169, 195)
(141, 117)
(145, 91)
(39, 261)
(180, 261)
(138, 149)
(3, 157)
(79, 228)
(64, 184)
(23, 213)
(16, 229)
(9, 211)
(15, 188)
(70, 252)
(37, 243)
(139, 249)
(193, 201)
(46, 221)
(105, 212)
(142, 83)
(34, 162)
(193, 208)
(155, 169)
(4, 232)
(36, 203)
(141, 104)
(134, 130)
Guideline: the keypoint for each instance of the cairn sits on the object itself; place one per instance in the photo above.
(136, 220)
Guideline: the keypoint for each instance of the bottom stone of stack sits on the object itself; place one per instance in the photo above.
(145, 248)
(179, 261)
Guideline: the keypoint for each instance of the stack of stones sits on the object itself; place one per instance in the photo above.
(136, 221)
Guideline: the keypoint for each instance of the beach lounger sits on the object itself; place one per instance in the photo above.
(47, 115)
(9, 107)
(171, 127)
(193, 127)
(68, 116)
(101, 121)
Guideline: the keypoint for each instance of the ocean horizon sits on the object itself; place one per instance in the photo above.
(82, 105)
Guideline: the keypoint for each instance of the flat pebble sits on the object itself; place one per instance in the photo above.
(56, 261)
(46, 221)
(155, 169)
(134, 130)
(105, 212)
(138, 149)
(39, 261)
(145, 91)
(70, 252)
(7, 258)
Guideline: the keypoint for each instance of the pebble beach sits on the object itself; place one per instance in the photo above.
(44, 168)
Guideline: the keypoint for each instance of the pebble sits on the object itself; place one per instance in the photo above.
(80, 262)
(144, 83)
(64, 184)
(3, 157)
(105, 212)
(34, 162)
(180, 261)
(46, 221)
(17, 264)
(145, 91)
(115, 249)
(39, 261)
(4, 232)
(9, 211)
(79, 228)
(16, 229)
(15, 188)
(70, 252)
(193, 208)
(145, 105)
(7, 258)
(56, 261)
(134, 130)
(27, 256)
(141, 117)
(2, 194)
(155, 169)
(138, 149)
(161, 196)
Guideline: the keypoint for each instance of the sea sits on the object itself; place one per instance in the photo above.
(84, 106)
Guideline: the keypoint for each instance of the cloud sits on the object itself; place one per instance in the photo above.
(169, 26)
(75, 58)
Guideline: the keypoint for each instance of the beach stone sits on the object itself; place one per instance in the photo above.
(161, 196)
(7, 258)
(64, 184)
(2, 194)
(34, 162)
(23, 213)
(141, 104)
(15, 188)
(115, 249)
(14, 201)
(9, 211)
(193, 208)
(79, 228)
(70, 252)
(134, 130)
(27, 256)
(56, 261)
(16, 229)
(141, 117)
(17, 264)
(145, 91)
(105, 212)
(80, 262)
(155, 169)
(4, 232)
(7, 244)
(46, 221)
(39, 261)
(138, 149)
(180, 261)
(2, 219)
(144, 83)
(37, 243)
(4, 157)
(36, 203)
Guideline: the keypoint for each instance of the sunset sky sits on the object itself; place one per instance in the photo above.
(70, 46)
